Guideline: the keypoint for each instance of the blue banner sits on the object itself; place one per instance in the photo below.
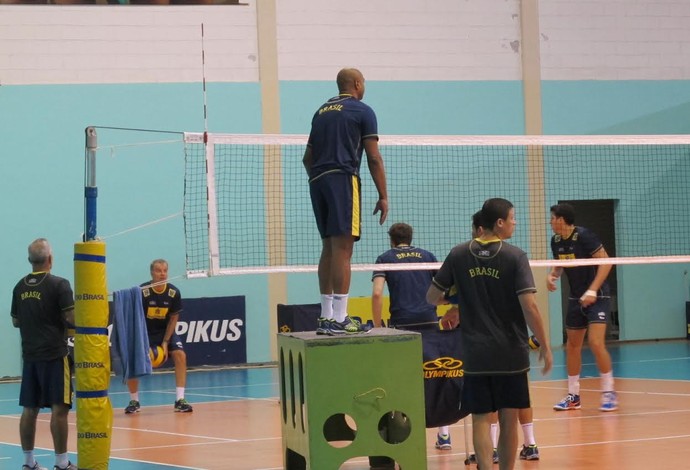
(213, 331)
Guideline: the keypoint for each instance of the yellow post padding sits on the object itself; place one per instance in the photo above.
(92, 356)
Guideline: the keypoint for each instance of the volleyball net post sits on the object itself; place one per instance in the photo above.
(91, 343)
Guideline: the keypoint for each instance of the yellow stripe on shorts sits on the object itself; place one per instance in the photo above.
(355, 207)
(67, 377)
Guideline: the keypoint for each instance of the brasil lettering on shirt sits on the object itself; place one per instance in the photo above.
(331, 107)
(484, 271)
(32, 294)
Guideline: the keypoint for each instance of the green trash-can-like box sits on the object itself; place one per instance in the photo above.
(351, 396)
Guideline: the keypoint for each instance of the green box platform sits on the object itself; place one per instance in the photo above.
(365, 377)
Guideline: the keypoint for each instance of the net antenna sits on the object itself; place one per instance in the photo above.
(213, 246)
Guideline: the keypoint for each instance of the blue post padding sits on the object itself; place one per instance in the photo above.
(83, 330)
(91, 394)
(91, 194)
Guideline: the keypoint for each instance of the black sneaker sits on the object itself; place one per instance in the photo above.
(182, 406)
(529, 452)
(494, 457)
(133, 407)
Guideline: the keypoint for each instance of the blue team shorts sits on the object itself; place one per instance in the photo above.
(175, 343)
(336, 200)
(578, 317)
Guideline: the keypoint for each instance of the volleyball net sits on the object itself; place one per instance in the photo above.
(247, 206)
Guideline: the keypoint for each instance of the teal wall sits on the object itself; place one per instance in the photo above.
(651, 299)
(42, 168)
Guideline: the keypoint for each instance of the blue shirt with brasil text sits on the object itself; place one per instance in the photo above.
(581, 244)
(407, 289)
(338, 130)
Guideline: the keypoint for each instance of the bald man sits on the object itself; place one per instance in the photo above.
(342, 129)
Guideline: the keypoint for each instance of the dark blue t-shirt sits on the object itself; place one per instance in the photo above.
(338, 130)
(582, 244)
(407, 289)
(159, 307)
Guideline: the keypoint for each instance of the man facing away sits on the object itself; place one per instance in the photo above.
(42, 309)
(407, 290)
(341, 130)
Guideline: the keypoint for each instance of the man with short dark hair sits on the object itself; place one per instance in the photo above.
(496, 296)
(409, 308)
(588, 304)
(43, 309)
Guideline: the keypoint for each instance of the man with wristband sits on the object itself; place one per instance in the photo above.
(588, 304)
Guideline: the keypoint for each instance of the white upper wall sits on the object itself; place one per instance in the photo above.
(126, 44)
(615, 39)
(399, 39)
(387, 39)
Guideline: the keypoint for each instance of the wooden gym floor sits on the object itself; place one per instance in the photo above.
(236, 420)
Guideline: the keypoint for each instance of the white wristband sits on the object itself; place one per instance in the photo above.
(589, 293)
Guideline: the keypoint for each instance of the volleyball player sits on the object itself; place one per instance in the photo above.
(588, 305)
(162, 306)
(407, 290)
(341, 130)
(496, 296)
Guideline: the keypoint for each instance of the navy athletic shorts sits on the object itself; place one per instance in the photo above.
(46, 383)
(336, 200)
(578, 317)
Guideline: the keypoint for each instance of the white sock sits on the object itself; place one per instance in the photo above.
(607, 382)
(574, 384)
(443, 430)
(180, 392)
(494, 435)
(528, 433)
(29, 459)
(61, 460)
(340, 306)
(134, 396)
(327, 306)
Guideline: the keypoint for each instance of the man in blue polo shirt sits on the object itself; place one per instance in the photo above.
(341, 130)
(407, 290)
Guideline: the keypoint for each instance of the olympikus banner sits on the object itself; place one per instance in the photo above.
(213, 330)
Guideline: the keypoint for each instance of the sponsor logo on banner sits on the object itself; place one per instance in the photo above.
(443, 367)
(212, 331)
